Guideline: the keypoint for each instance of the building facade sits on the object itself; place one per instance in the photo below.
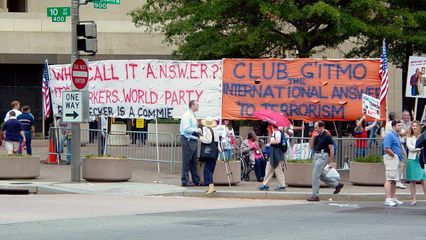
(28, 37)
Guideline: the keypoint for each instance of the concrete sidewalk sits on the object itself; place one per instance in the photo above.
(147, 181)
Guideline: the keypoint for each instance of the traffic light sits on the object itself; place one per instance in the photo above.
(86, 37)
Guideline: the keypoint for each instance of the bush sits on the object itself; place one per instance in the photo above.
(369, 159)
(300, 161)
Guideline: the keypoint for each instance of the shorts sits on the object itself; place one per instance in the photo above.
(11, 147)
(392, 165)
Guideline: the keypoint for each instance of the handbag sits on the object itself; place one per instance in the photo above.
(209, 150)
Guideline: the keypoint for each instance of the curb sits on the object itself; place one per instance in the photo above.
(288, 195)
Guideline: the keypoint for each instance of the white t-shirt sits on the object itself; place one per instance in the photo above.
(17, 112)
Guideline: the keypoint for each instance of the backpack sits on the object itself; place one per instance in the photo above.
(283, 144)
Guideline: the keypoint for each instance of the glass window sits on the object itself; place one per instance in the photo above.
(17, 5)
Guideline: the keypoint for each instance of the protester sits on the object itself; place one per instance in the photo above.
(414, 172)
(12, 128)
(65, 131)
(16, 106)
(189, 140)
(228, 142)
(401, 135)
(392, 160)
(251, 149)
(209, 138)
(323, 145)
(275, 163)
(27, 121)
(360, 132)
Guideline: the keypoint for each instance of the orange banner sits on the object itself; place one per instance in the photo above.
(303, 89)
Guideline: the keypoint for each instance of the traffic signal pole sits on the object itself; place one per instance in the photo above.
(75, 127)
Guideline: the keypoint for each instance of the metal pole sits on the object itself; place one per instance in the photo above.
(75, 127)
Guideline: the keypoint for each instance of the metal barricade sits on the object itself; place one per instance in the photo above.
(136, 145)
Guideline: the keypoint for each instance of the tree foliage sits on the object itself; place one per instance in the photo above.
(403, 24)
(211, 29)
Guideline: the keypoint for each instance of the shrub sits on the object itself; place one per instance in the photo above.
(310, 160)
(369, 159)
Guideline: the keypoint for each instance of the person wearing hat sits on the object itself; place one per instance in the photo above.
(209, 138)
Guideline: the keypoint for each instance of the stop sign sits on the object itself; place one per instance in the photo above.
(80, 74)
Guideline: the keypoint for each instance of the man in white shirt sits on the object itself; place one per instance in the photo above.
(189, 139)
(16, 105)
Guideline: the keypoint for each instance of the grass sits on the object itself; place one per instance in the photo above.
(369, 159)
(300, 161)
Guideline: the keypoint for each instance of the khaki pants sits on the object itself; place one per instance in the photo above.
(269, 172)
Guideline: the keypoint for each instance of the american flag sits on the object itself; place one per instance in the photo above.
(384, 75)
(45, 90)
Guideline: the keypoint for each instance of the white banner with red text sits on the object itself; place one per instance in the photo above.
(145, 88)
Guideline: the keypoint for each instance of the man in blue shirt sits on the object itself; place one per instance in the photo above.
(12, 128)
(27, 121)
(189, 139)
(392, 160)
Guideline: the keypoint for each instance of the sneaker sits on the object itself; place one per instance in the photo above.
(280, 189)
(313, 199)
(338, 188)
(400, 185)
(390, 203)
(263, 188)
(397, 202)
(210, 191)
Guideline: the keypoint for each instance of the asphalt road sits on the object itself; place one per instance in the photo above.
(135, 217)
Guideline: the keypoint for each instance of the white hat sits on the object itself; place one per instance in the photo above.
(209, 122)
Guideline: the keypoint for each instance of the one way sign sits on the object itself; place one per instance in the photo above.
(72, 106)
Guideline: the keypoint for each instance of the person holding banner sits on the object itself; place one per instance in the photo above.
(189, 139)
(360, 132)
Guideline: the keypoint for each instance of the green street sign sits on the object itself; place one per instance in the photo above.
(58, 11)
(100, 5)
(107, 1)
(58, 19)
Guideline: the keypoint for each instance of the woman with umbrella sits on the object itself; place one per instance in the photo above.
(275, 163)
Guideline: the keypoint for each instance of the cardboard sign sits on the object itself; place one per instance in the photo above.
(416, 77)
(371, 106)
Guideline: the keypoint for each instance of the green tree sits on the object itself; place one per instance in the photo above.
(403, 24)
(212, 29)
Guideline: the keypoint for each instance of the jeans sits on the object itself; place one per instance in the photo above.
(259, 169)
(360, 152)
(320, 160)
(28, 139)
(226, 155)
(209, 170)
(372, 136)
(61, 147)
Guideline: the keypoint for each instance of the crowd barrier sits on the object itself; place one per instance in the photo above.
(166, 147)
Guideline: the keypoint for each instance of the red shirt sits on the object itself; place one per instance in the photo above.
(361, 143)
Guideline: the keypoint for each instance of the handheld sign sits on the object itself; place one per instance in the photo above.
(370, 106)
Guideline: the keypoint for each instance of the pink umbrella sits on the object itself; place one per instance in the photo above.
(272, 117)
